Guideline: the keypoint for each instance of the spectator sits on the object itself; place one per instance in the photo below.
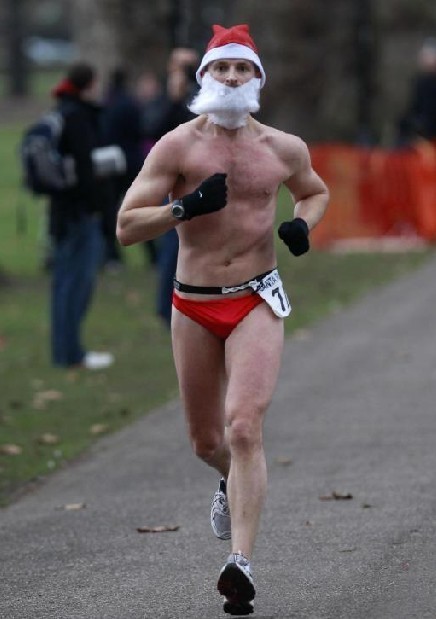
(122, 125)
(419, 121)
(163, 110)
(75, 225)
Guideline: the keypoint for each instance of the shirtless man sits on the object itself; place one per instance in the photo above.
(223, 171)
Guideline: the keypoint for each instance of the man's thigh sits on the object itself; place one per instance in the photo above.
(253, 358)
(199, 361)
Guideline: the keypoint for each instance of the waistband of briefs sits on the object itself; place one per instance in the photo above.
(181, 287)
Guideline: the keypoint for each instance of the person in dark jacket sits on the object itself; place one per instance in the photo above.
(419, 121)
(165, 110)
(121, 124)
(75, 226)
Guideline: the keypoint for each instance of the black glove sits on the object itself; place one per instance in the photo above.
(209, 197)
(295, 234)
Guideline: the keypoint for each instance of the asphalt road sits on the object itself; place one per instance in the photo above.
(354, 414)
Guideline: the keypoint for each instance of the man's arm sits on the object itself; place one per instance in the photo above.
(309, 191)
(140, 220)
(142, 216)
(311, 198)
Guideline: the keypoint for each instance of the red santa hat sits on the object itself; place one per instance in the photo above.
(229, 43)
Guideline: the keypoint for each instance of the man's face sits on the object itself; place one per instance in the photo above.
(232, 72)
(229, 93)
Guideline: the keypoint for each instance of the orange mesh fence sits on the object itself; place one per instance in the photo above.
(376, 192)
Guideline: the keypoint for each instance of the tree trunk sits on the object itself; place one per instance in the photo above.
(307, 50)
(333, 68)
(127, 33)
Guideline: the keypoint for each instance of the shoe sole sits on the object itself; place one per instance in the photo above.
(234, 585)
(238, 609)
(225, 536)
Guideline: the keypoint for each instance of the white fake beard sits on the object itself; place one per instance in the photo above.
(226, 106)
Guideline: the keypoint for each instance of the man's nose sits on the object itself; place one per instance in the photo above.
(231, 77)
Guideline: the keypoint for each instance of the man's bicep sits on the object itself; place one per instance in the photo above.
(151, 187)
(304, 182)
(305, 185)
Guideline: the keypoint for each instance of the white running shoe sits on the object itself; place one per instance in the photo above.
(220, 513)
(235, 583)
(97, 360)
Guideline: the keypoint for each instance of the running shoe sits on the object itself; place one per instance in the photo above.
(220, 513)
(235, 583)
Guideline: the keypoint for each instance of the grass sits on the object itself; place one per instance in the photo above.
(40, 82)
(51, 415)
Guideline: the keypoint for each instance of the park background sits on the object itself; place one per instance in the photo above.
(338, 75)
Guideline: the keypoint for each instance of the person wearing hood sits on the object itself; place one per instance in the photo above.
(74, 221)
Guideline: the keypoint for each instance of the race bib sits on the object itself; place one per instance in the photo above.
(270, 288)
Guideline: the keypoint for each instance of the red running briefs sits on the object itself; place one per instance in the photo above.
(219, 316)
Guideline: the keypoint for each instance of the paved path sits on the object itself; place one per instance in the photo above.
(355, 411)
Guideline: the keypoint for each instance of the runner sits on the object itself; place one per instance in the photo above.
(223, 171)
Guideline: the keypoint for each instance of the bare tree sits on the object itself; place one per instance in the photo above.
(131, 33)
(308, 53)
(15, 31)
(332, 67)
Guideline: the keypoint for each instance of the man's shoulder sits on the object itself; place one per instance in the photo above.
(283, 142)
(181, 134)
(279, 134)
(174, 144)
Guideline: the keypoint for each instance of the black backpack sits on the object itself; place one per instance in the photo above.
(45, 170)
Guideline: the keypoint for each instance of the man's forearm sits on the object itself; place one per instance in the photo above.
(144, 223)
(312, 209)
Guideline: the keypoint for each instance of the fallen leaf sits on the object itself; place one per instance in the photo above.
(302, 334)
(48, 439)
(9, 449)
(71, 507)
(42, 398)
(158, 529)
(336, 496)
(348, 549)
(2, 342)
(98, 428)
(50, 395)
(283, 461)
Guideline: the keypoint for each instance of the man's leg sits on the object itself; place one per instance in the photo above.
(253, 356)
(199, 360)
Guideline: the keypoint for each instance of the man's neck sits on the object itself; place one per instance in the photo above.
(217, 129)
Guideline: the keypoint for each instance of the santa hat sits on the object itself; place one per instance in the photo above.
(227, 43)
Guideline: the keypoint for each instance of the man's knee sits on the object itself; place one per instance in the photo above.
(245, 434)
(206, 448)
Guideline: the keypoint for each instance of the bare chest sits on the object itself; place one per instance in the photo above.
(254, 171)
